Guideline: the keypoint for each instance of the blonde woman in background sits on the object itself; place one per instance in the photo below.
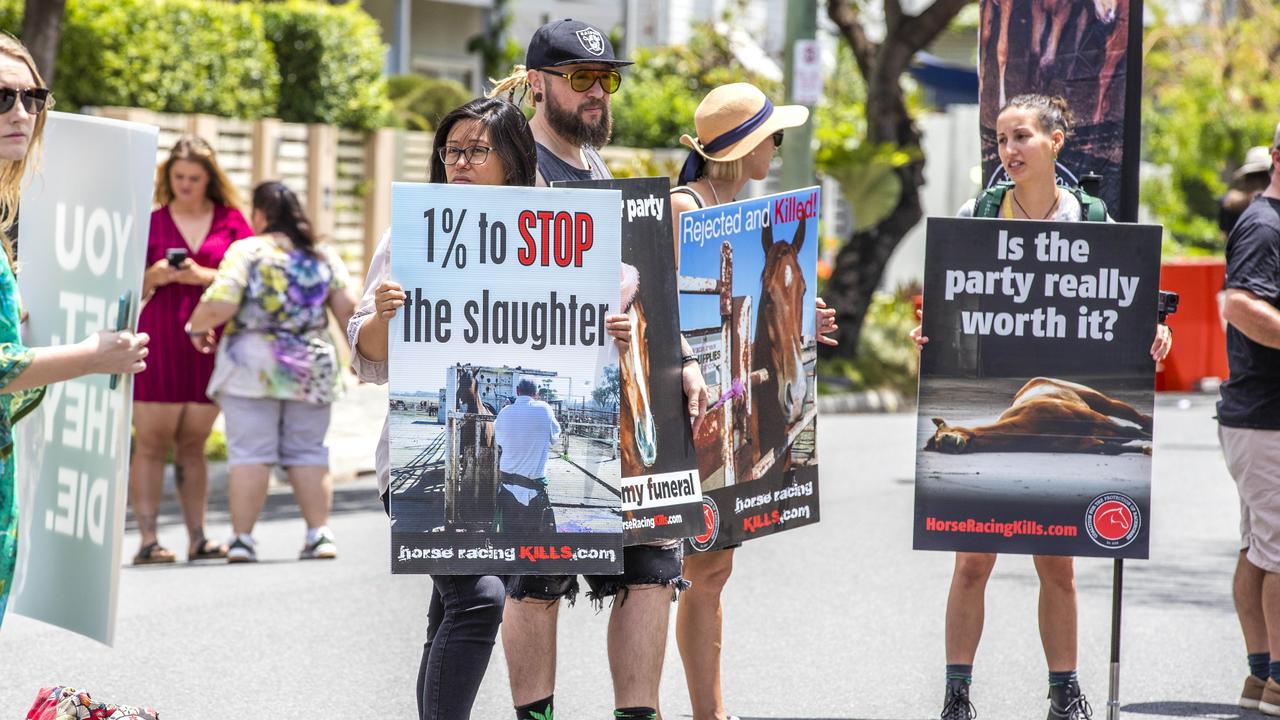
(198, 218)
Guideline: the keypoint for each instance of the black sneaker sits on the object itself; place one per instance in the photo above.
(956, 706)
(1066, 702)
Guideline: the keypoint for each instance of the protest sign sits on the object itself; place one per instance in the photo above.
(82, 244)
(748, 279)
(509, 288)
(661, 495)
(1037, 387)
(1090, 54)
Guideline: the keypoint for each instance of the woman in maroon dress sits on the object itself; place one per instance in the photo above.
(197, 219)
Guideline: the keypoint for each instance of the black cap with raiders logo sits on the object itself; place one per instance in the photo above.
(565, 42)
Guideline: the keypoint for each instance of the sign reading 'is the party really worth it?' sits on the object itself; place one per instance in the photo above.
(1037, 388)
(504, 381)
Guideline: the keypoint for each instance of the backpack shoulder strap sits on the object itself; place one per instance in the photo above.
(988, 203)
(1092, 209)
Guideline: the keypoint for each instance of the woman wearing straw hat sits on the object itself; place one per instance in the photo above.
(738, 130)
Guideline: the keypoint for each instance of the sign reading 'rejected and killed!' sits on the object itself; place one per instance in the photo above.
(504, 381)
(1037, 387)
(748, 282)
(661, 494)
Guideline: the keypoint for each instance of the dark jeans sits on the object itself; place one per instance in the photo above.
(462, 623)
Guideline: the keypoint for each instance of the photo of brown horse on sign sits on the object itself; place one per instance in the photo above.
(1051, 415)
(748, 282)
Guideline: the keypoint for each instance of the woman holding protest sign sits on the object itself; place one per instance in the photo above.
(196, 222)
(484, 142)
(1030, 133)
(24, 371)
(277, 371)
(738, 131)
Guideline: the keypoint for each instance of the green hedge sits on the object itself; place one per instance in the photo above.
(300, 61)
(419, 102)
(330, 63)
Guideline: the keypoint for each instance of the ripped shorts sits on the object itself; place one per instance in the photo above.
(641, 565)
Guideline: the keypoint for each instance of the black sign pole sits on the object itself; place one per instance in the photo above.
(1129, 213)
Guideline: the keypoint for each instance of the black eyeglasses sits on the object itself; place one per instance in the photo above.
(777, 139)
(582, 80)
(33, 99)
(475, 155)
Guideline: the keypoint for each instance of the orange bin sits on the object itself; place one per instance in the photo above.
(1199, 342)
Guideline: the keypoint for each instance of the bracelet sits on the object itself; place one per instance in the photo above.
(686, 359)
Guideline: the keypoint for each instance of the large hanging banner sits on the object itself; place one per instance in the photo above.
(82, 246)
(504, 383)
(661, 495)
(1090, 53)
(748, 283)
(1037, 388)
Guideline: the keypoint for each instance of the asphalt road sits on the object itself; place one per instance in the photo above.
(839, 621)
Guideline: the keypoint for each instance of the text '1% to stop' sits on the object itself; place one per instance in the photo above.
(493, 238)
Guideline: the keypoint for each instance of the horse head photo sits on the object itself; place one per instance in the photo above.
(778, 401)
(637, 436)
(1051, 415)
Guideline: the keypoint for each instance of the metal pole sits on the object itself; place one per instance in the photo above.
(797, 156)
(1117, 595)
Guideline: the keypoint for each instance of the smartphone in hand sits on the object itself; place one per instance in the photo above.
(175, 256)
(123, 310)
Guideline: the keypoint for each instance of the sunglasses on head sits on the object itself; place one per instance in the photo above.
(582, 80)
(33, 99)
(777, 139)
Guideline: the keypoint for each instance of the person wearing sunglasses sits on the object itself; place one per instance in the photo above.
(483, 142)
(569, 75)
(737, 131)
(25, 371)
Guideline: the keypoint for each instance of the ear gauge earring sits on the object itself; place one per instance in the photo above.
(537, 96)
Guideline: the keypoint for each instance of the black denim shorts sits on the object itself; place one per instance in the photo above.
(641, 565)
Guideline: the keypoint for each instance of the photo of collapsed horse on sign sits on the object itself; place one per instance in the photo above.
(748, 282)
(1037, 388)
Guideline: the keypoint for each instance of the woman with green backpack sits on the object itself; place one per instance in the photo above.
(1030, 132)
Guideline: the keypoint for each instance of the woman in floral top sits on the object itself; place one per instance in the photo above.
(25, 371)
(276, 372)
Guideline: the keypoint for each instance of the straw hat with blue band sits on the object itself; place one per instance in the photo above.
(732, 120)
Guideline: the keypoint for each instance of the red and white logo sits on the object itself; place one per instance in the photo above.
(711, 529)
(1113, 520)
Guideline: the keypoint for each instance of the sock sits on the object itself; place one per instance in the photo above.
(313, 534)
(1275, 671)
(246, 539)
(1260, 664)
(959, 675)
(540, 710)
(635, 713)
(1062, 678)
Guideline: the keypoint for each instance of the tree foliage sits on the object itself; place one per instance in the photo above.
(419, 102)
(1211, 94)
(609, 392)
(661, 91)
(894, 139)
